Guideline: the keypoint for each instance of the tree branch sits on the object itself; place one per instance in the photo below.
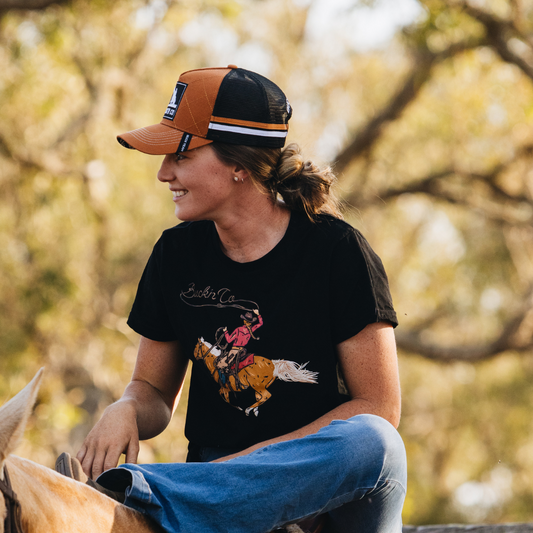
(437, 185)
(366, 137)
(498, 31)
(419, 75)
(6, 5)
(509, 339)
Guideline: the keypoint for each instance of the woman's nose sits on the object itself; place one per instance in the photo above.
(165, 171)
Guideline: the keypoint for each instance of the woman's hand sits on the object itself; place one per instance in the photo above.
(143, 412)
(116, 433)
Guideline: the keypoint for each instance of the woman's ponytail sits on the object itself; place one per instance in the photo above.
(302, 185)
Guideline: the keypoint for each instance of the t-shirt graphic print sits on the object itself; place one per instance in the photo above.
(235, 369)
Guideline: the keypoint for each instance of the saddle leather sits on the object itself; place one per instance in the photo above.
(70, 467)
(309, 525)
(248, 360)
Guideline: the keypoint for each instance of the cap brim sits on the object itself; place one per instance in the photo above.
(158, 139)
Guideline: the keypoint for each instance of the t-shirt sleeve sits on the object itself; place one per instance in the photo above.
(360, 289)
(149, 316)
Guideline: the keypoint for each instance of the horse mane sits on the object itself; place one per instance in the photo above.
(291, 371)
(214, 350)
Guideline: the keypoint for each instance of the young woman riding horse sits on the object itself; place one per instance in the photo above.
(277, 244)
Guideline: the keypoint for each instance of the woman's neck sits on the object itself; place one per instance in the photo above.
(253, 232)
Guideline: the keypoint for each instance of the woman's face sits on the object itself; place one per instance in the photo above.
(202, 185)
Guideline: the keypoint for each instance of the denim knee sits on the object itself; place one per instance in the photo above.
(372, 441)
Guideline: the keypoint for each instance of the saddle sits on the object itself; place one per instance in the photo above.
(309, 525)
(248, 360)
(241, 360)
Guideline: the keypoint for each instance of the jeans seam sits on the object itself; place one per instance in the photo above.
(385, 484)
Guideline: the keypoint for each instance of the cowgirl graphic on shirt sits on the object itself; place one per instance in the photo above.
(240, 338)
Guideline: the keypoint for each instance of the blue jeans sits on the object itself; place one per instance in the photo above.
(353, 469)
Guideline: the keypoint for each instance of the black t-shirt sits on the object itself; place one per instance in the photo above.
(286, 312)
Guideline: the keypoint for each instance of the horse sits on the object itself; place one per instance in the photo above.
(34, 499)
(48, 501)
(258, 375)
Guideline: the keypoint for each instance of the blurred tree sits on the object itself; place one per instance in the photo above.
(495, 187)
(440, 176)
(6, 5)
(431, 137)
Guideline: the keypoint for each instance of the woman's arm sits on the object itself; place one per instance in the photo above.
(369, 364)
(370, 368)
(143, 411)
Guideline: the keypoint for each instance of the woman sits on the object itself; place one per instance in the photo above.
(230, 361)
(308, 426)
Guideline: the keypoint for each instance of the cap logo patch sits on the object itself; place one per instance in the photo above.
(174, 103)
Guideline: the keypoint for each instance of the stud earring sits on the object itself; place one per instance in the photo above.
(235, 178)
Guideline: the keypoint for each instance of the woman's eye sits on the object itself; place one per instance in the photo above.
(179, 157)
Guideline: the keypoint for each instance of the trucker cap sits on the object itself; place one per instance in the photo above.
(230, 105)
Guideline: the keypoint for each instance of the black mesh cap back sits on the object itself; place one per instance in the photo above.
(248, 96)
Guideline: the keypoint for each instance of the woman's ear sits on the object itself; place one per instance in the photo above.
(240, 172)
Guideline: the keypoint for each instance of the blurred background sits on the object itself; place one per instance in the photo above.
(424, 109)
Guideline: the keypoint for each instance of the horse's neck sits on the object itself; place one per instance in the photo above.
(208, 356)
(52, 502)
(209, 361)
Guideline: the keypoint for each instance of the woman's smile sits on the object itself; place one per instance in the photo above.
(179, 194)
(206, 181)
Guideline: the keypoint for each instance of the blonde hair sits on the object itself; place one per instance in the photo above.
(302, 185)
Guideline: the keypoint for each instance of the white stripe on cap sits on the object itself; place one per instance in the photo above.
(247, 131)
